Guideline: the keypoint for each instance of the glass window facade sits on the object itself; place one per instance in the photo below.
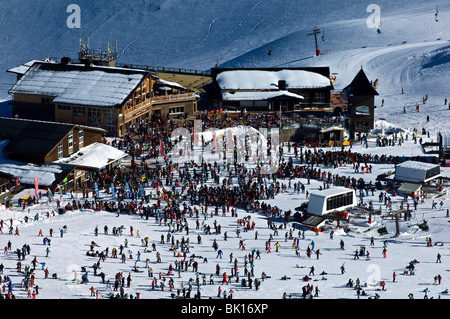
(79, 111)
(340, 200)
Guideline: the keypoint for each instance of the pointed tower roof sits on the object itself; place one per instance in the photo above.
(360, 85)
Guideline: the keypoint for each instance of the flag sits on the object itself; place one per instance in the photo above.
(96, 189)
(230, 140)
(214, 140)
(194, 134)
(141, 190)
(36, 187)
(161, 148)
(127, 189)
(113, 190)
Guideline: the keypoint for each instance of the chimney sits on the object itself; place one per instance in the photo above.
(282, 85)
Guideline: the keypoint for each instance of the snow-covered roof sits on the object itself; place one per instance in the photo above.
(408, 188)
(23, 68)
(77, 84)
(331, 191)
(257, 95)
(26, 172)
(96, 155)
(169, 83)
(266, 80)
(417, 165)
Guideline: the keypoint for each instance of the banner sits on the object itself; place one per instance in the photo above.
(127, 189)
(96, 189)
(113, 190)
(230, 144)
(195, 136)
(161, 148)
(36, 187)
(141, 190)
(214, 141)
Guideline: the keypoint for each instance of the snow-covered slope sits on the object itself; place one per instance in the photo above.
(198, 34)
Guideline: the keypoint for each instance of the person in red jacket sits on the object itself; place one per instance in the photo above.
(224, 278)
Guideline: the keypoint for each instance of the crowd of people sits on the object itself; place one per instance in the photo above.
(178, 194)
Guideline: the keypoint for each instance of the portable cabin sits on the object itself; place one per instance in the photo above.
(416, 172)
(331, 200)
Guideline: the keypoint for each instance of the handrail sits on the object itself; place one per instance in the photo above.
(172, 97)
(152, 68)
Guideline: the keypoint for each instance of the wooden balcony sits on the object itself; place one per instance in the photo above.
(172, 98)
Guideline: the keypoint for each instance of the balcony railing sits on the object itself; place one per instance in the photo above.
(172, 97)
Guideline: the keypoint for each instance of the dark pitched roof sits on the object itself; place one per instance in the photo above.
(360, 85)
(32, 137)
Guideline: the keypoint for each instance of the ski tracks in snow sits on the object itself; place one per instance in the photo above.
(209, 32)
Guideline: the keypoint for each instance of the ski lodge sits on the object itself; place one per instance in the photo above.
(57, 154)
(94, 92)
(272, 89)
(5, 189)
(360, 96)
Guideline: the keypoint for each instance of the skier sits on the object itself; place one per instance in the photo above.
(342, 269)
(224, 278)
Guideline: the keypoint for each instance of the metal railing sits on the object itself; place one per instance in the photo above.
(151, 68)
(172, 97)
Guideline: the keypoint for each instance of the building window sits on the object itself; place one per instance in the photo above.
(64, 107)
(46, 100)
(109, 113)
(79, 111)
(176, 109)
(81, 137)
(432, 172)
(70, 141)
(109, 125)
(94, 116)
(319, 97)
(60, 150)
(246, 104)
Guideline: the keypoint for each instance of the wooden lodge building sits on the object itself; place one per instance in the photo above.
(271, 89)
(41, 142)
(45, 150)
(5, 189)
(114, 99)
(360, 95)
